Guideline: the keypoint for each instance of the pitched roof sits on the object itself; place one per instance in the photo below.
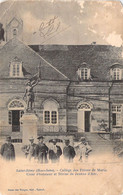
(31, 60)
(99, 58)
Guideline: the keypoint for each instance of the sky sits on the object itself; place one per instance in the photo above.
(67, 22)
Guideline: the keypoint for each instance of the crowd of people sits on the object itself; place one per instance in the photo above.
(42, 153)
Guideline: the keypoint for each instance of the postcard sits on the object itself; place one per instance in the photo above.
(61, 97)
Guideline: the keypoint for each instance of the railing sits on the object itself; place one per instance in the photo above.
(116, 135)
(51, 128)
(16, 140)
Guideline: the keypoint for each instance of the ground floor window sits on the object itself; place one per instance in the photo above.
(116, 115)
(50, 117)
(50, 112)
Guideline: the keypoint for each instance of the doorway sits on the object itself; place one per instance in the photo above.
(84, 118)
(15, 120)
(87, 121)
(15, 111)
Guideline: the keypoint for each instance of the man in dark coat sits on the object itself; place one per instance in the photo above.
(41, 150)
(7, 150)
(68, 151)
(55, 152)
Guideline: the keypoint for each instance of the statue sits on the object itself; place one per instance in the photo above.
(29, 94)
(32, 82)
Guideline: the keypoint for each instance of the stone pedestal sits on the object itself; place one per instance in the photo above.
(29, 127)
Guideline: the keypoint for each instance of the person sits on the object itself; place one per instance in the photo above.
(55, 152)
(84, 149)
(68, 151)
(30, 150)
(8, 150)
(29, 94)
(41, 150)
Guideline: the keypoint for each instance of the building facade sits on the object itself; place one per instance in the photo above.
(80, 90)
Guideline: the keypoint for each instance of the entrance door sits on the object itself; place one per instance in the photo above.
(84, 120)
(15, 120)
(87, 121)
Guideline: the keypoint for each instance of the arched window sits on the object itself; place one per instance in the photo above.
(50, 113)
(83, 72)
(15, 111)
(116, 73)
(16, 68)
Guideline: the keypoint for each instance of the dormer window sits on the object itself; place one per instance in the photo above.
(83, 72)
(16, 68)
(116, 74)
(116, 71)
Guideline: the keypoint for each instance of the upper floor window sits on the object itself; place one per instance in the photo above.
(14, 32)
(83, 72)
(16, 68)
(116, 115)
(116, 74)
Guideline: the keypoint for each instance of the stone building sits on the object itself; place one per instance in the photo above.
(80, 91)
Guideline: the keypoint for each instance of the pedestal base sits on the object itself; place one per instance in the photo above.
(29, 127)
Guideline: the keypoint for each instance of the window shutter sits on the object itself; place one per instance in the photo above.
(120, 74)
(10, 117)
(79, 73)
(111, 73)
(89, 73)
(114, 119)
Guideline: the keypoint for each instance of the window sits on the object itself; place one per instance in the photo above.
(116, 74)
(83, 73)
(16, 68)
(50, 117)
(50, 112)
(47, 117)
(116, 115)
(14, 32)
(53, 117)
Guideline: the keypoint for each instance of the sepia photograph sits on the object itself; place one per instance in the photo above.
(61, 97)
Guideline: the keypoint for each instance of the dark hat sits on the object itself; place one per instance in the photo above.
(8, 138)
(67, 141)
(40, 137)
(31, 138)
(82, 139)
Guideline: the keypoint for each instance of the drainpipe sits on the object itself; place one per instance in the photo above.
(67, 90)
(109, 95)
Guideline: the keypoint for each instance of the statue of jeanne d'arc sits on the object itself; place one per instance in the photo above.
(29, 93)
